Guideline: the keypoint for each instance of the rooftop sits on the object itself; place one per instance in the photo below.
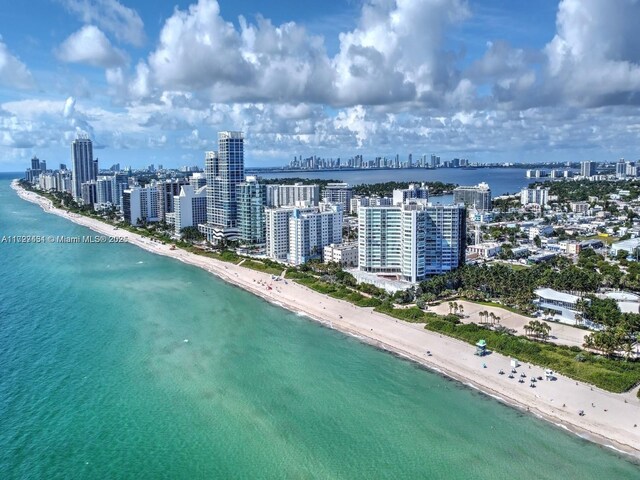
(551, 294)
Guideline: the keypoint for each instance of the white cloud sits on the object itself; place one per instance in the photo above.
(89, 45)
(111, 16)
(594, 58)
(396, 52)
(391, 86)
(13, 73)
(395, 55)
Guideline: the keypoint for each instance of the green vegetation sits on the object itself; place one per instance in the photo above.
(510, 287)
(581, 190)
(292, 180)
(386, 189)
(609, 374)
(380, 189)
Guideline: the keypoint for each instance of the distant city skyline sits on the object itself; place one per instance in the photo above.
(485, 80)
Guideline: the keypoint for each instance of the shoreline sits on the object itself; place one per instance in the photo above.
(609, 417)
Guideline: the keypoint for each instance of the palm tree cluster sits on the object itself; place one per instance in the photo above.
(514, 287)
(611, 341)
(537, 329)
(488, 318)
(456, 308)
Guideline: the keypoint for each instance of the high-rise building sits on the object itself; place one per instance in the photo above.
(88, 193)
(358, 202)
(85, 168)
(224, 170)
(413, 192)
(104, 190)
(198, 180)
(631, 169)
(292, 195)
(251, 197)
(119, 183)
(538, 196)
(190, 207)
(299, 234)
(277, 232)
(167, 190)
(412, 241)
(588, 169)
(339, 193)
(477, 197)
(140, 204)
(311, 231)
(621, 168)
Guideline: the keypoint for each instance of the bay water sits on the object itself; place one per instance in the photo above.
(116, 363)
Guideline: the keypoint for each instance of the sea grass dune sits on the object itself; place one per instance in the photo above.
(607, 418)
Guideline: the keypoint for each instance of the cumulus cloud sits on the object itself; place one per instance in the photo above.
(593, 60)
(199, 50)
(392, 85)
(13, 73)
(111, 16)
(595, 53)
(89, 45)
(394, 55)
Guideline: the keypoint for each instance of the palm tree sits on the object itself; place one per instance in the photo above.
(461, 309)
(545, 328)
(579, 318)
(492, 316)
(450, 307)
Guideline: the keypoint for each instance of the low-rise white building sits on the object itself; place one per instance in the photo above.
(540, 231)
(345, 254)
(484, 250)
(564, 305)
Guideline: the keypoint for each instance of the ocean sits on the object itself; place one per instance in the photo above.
(116, 363)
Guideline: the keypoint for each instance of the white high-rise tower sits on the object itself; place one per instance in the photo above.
(224, 171)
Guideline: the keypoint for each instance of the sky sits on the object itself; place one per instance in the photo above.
(153, 82)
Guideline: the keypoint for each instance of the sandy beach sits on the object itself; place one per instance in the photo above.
(609, 419)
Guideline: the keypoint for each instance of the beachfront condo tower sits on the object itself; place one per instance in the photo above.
(224, 170)
(298, 234)
(85, 168)
(251, 203)
(411, 241)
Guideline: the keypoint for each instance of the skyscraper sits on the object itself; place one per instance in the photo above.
(251, 203)
(224, 170)
(413, 240)
(478, 197)
(588, 169)
(339, 193)
(84, 167)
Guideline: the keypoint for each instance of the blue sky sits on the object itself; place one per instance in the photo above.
(152, 82)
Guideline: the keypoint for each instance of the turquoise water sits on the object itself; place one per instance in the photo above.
(96, 381)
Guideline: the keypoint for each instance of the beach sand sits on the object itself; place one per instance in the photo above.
(609, 418)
